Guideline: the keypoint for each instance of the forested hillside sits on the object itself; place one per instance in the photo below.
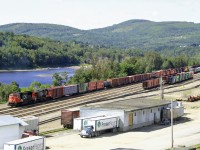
(22, 52)
(171, 38)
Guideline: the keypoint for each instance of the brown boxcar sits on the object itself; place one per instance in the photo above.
(113, 82)
(55, 92)
(121, 81)
(92, 86)
(151, 83)
(126, 80)
(130, 79)
(100, 85)
(67, 117)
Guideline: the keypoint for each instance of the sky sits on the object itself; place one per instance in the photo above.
(92, 14)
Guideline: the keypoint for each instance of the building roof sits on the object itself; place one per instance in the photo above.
(131, 104)
(10, 120)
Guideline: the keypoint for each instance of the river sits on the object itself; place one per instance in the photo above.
(25, 78)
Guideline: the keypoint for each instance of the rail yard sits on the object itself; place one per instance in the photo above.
(49, 112)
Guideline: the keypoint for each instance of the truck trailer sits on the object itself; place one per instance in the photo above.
(96, 126)
(79, 122)
(30, 143)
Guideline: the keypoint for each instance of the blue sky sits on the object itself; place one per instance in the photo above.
(90, 14)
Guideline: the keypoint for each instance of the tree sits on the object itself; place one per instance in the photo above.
(60, 78)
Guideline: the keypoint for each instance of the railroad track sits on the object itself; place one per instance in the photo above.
(46, 108)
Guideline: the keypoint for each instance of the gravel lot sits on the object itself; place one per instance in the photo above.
(155, 137)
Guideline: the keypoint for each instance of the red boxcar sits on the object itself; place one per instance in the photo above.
(55, 92)
(151, 83)
(121, 81)
(67, 117)
(100, 85)
(113, 82)
(92, 86)
(126, 80)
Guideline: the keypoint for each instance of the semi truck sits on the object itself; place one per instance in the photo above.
(96, 126)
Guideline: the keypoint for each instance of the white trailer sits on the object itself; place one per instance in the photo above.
(177, 112)
(79, 122)
(95, 126)
(32, 143)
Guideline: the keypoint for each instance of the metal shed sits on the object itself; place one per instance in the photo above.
(11, 128)
(133, 113)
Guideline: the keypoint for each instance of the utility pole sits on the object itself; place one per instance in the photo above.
(161, 89)
(172, 140)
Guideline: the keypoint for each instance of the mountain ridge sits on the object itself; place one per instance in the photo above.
(135, 33)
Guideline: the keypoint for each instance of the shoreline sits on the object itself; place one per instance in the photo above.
(38, 69)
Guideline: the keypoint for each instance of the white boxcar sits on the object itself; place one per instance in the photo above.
(79, 122)
(33, 123)
(70, 89)
(30, 143)
(95, 126)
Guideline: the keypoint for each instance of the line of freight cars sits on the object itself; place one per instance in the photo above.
(17, 99)
(195, 69)
(172, 79)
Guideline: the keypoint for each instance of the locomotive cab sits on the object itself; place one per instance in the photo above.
(14, 99)
(17, 99)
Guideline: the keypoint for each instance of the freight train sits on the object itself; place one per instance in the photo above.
(17, 99)
(171, 79)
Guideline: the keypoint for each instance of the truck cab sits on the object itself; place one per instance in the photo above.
(87, 131)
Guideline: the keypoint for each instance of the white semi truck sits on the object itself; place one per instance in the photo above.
(95, 126)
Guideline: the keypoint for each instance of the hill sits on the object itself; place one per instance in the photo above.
(169, 37)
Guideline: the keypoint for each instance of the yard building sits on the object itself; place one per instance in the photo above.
(11, 128)
(133, 113)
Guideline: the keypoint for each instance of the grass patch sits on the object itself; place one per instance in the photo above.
(196, 146)
(53, 131)
(3, 102)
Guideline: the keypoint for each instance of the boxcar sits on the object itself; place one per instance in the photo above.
(67, 117)
(83, 87)
(113, 82)
(55, 92)
(92, 86)
(70, 89)
(121, 81)
(100, 85)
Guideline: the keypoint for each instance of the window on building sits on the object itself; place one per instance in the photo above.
(158, 109)
(151, 110)
(135, 113)
(143, 112)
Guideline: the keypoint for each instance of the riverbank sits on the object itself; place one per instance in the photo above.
(38, 69)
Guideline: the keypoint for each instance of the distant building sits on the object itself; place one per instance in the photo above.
(133, 113)
(11, 128)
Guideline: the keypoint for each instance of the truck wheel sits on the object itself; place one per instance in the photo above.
(81, 136)
(96, 134)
